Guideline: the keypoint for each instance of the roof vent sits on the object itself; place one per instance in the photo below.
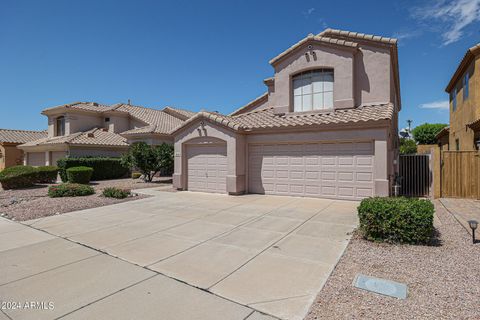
(94, 104)
(90, 135)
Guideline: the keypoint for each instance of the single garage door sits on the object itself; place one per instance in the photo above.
(56, 155)
(36, 159)
(327, 170)
(207, 168)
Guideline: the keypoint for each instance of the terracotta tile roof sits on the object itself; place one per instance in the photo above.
(20, 136)
(256, 100)
(469, 55)
(267, 119)
(156, 121)
(316, 38)
(94, 137)
(179, 113)
(335, 33)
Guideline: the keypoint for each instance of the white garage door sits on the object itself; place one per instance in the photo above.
(207, 168)
(56, 155)
(36, 159)
(327, 170)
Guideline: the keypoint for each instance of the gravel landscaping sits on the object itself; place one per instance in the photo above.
(443, 279)
(32, 203)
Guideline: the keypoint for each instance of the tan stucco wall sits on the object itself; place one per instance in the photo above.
(117, 124)
(211, 133)
(96, 152)
(326, 56)
(11, 156)
(150, 139)
(466, 111)
(237, 149)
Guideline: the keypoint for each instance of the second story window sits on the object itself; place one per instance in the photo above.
(453, 98)
(466, 88)
(60, 126)
(313, 90)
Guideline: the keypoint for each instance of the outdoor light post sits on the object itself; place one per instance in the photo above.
(473, 225)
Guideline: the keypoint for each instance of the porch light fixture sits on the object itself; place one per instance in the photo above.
(473, 225)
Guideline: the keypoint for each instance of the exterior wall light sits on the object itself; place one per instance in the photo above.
(473, 225)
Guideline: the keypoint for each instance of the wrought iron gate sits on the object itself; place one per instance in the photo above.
(415, 175)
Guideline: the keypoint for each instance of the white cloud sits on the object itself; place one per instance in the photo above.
(440, 104)
(403, 35)
(308, 12)
(456, 15)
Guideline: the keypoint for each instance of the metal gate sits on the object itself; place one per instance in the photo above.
(415, 175)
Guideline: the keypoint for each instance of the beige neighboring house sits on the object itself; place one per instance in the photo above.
(10, 155)
(326, 127)
(92, 129)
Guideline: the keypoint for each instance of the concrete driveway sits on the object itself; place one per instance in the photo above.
(176, 256)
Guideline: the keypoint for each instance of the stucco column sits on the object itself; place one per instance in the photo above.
(380, 171)
(236, 165)
(25, 158)
(47, 158)
(178, 181)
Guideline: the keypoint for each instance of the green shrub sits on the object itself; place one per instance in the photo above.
(427, 132)
(396, 220)
(149, 160)
(103, 168)
(407, 146)
(136, 175)
(18, 177)
(47, 174)
(116, 193)
(80, 175)
(70, 190)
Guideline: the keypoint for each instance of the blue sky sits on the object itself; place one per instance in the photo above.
(208, 54)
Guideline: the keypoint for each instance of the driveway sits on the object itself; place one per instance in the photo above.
(175, 256)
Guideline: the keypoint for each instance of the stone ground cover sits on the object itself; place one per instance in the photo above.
(443, 279)
(33, 203)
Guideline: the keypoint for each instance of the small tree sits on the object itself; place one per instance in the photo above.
(149, 160)
(425, 133)
(407, 146)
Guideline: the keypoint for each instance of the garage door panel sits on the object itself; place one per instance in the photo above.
(207, 168)
(36, 159)
(333, 170)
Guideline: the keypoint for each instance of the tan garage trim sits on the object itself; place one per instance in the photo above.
(327, 170)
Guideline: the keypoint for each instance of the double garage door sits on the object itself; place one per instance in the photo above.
(327, 170)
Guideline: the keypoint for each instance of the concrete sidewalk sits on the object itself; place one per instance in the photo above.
(176, 256)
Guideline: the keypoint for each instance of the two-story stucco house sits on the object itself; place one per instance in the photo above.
(326, 127)
(464, 131)
(92, 129)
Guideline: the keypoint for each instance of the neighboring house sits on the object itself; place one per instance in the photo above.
(10, 155)
(464, 130)
(326, 127)
(91, 129)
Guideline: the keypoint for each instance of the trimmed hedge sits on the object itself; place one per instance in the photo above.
(396, 220)
(18, 177)
(47, 174)
(116, 193)
(103, 168)
(70, 190)
(80, 175)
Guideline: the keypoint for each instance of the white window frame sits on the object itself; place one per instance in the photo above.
(312, 90)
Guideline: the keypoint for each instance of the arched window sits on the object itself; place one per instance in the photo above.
(313, 90)
(60, 126)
